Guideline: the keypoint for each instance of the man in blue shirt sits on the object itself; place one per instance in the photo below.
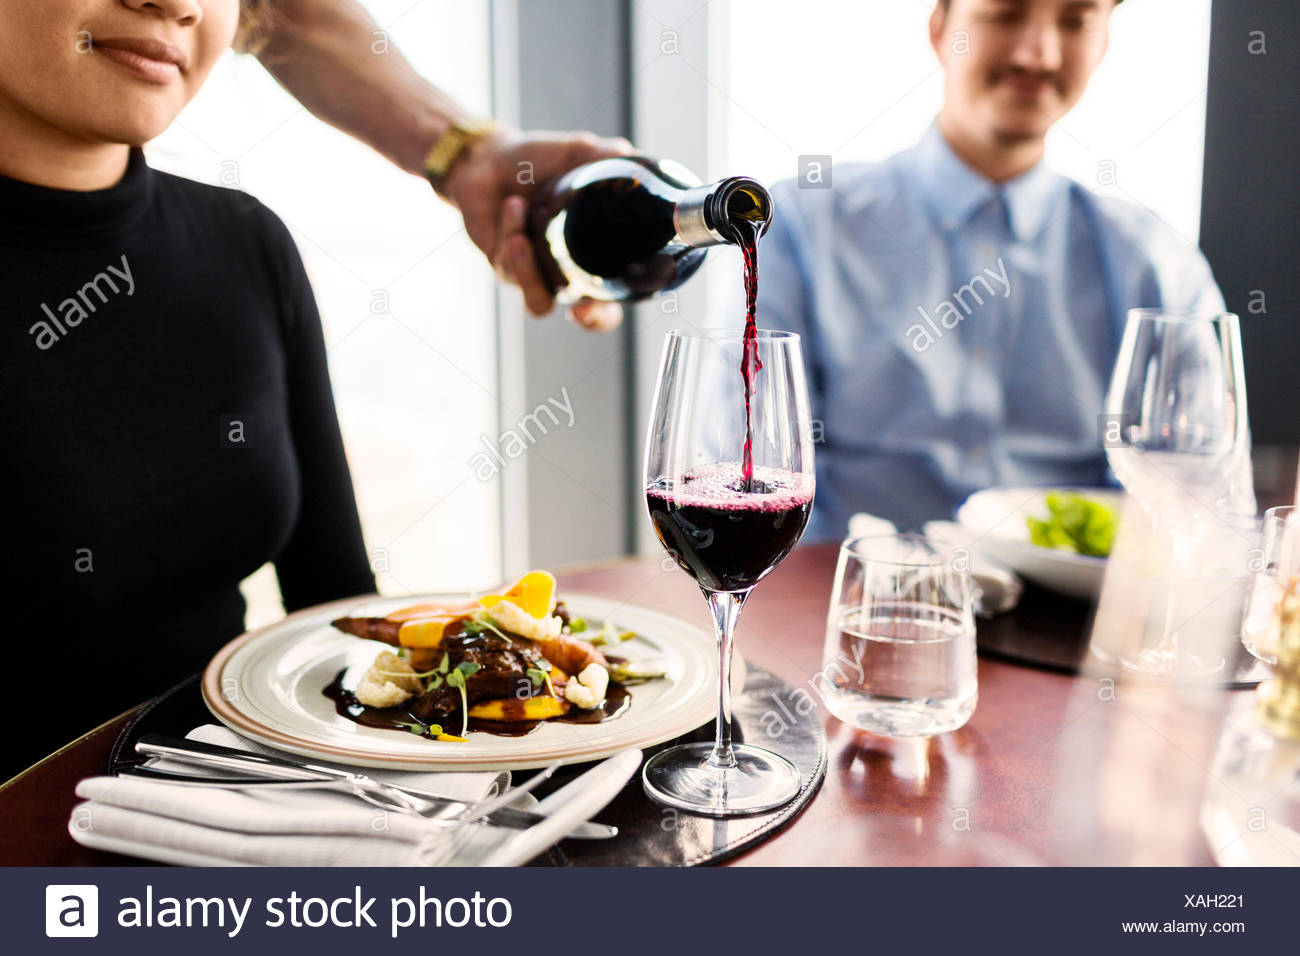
(960, 304)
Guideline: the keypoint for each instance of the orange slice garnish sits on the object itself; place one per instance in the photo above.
(424, 632)
(534, 592)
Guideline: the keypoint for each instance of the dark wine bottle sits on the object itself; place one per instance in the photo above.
(626, 228)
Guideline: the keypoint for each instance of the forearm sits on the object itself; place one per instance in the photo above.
(322, 52)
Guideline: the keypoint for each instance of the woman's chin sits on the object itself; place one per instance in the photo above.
(135, 128)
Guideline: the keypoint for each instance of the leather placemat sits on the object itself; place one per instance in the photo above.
(1052, 631)
(769, 713)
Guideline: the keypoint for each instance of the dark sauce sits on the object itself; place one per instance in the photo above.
(618, 699)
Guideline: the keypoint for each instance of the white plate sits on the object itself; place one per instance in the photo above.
(996, 516)
(269, 684)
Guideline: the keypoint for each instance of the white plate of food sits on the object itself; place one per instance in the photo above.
(297, 684)
(1066, 522)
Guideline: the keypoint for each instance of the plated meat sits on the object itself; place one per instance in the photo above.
(506, 658)
(371, 628)
(503, 672)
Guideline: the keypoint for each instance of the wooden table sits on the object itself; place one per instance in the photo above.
(1052, 768)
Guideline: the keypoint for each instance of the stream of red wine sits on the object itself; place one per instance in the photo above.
(746, 232)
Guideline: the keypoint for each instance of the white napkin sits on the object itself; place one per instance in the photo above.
(998, 588)
(216, 827)
(862, 525)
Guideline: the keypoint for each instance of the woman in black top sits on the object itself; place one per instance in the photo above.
(167, 423)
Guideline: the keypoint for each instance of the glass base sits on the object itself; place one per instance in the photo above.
(681, 777)
(1171, 662)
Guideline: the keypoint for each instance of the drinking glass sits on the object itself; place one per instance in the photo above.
(1258, 622)
(900, 637)
(727, 532)
(1176, 436)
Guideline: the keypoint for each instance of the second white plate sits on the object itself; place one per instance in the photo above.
(996, 516)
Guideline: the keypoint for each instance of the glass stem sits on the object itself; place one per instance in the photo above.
(725, 606)
(1179, 552)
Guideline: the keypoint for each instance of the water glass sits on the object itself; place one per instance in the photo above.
(900, 637)
(1258, 623)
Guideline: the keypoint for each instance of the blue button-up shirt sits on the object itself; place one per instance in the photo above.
(958, 333)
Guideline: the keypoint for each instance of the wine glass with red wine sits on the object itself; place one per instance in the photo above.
(729, 486)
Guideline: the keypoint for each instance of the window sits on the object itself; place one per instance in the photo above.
(859, 81)
(406, 301)
(869, 87)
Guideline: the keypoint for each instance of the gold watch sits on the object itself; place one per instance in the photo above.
(450, 147)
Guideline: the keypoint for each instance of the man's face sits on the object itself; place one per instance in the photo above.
(109, 70)
(1014, 67)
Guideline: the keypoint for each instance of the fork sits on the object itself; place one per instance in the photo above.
(375, 792)
(433, 806)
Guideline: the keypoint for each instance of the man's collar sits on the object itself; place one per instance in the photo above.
(954, 192)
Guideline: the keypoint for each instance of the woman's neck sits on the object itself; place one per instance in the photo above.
(36, 152)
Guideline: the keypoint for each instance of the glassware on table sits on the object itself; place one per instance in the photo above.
(1176, 436)
(899, 658)
(1258, 623)
(1251, 809)
(726, 534)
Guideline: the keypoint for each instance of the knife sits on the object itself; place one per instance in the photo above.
(200, 754)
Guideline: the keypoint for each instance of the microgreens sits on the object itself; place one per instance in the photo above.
(608, 634)
(420, 674)
(434, 675)
(421, 729)
(482, 624)
(464, 670)
(543, 667)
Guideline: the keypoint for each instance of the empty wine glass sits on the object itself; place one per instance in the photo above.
(1176, 436)
(727, 528)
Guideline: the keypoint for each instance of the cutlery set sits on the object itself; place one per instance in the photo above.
(243, 770)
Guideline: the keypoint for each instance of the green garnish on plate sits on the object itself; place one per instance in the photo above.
(1075, 523)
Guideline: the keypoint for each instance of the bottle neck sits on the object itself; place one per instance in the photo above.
(704, 212)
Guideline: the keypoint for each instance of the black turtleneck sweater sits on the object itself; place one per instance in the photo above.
(167, 428)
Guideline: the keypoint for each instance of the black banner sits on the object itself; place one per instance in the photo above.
(579, 911)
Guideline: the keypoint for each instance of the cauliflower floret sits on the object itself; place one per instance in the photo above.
(587, 690)
(389, 681)
(513, 618)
